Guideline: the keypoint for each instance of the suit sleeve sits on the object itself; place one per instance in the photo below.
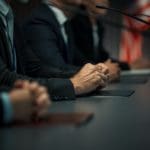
(122, 65)
(58, 88)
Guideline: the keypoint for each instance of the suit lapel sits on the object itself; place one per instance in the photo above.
(3, 38)
(50, 14)
(86, 31)
(50, 17)
(71, 44)
(89, 33)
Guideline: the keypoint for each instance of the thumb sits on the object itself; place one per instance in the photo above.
(108, 61)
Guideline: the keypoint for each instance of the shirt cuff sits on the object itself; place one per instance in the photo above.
(7, 108)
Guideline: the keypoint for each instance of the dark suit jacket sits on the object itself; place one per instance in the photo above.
(44, 35)
(82, 30)
(29, 64)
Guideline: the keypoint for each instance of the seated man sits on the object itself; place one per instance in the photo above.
(25, 101)
(17, 61)
(50, 36)
(89, 33)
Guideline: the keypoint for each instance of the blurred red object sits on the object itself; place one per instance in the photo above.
(132, 42)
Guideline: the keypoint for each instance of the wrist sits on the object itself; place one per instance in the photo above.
(8, 108)
(76, 86)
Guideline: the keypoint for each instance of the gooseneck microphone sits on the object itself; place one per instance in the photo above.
(125, 14)
(72, 9)
(145, 15)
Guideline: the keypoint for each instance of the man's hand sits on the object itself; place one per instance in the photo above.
(103, 68)
(89, 78)
(29, 101)
(114, 70)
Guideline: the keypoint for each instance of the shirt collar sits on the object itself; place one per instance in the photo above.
(4, 7)
(61, 17)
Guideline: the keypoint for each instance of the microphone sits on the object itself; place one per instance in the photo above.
(124, 13)
(82, 12)
(145, 15)
(78, 11)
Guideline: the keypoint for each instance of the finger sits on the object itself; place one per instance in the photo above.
(100, 82)
(105, 77)
(33, 86)
(109, 61)
(43, 101)
(100, 79)
(95, 83)
(105, 69)
(26, 84)
(102, 76)
(18, 84)
(90, 67)
(41, 90)
(41, 112)
(99, 68)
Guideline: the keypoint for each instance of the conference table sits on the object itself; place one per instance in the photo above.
(120, 121)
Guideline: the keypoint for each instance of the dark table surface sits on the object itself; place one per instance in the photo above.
(119, 123)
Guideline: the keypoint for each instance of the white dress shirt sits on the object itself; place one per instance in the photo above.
(62, 19)
(95, 40)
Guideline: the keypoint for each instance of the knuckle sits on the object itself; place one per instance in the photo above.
(96, 75)
(98, 78)
(34, 84)
(44, 89)
(90, 65)
(95, 81)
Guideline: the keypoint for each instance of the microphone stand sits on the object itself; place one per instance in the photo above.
(81, 12)
(145, 15)
(124, 13)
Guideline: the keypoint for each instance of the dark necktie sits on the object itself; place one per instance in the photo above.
(70, 43)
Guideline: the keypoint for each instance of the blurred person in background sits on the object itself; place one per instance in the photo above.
(132, 46)
(89, 32)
